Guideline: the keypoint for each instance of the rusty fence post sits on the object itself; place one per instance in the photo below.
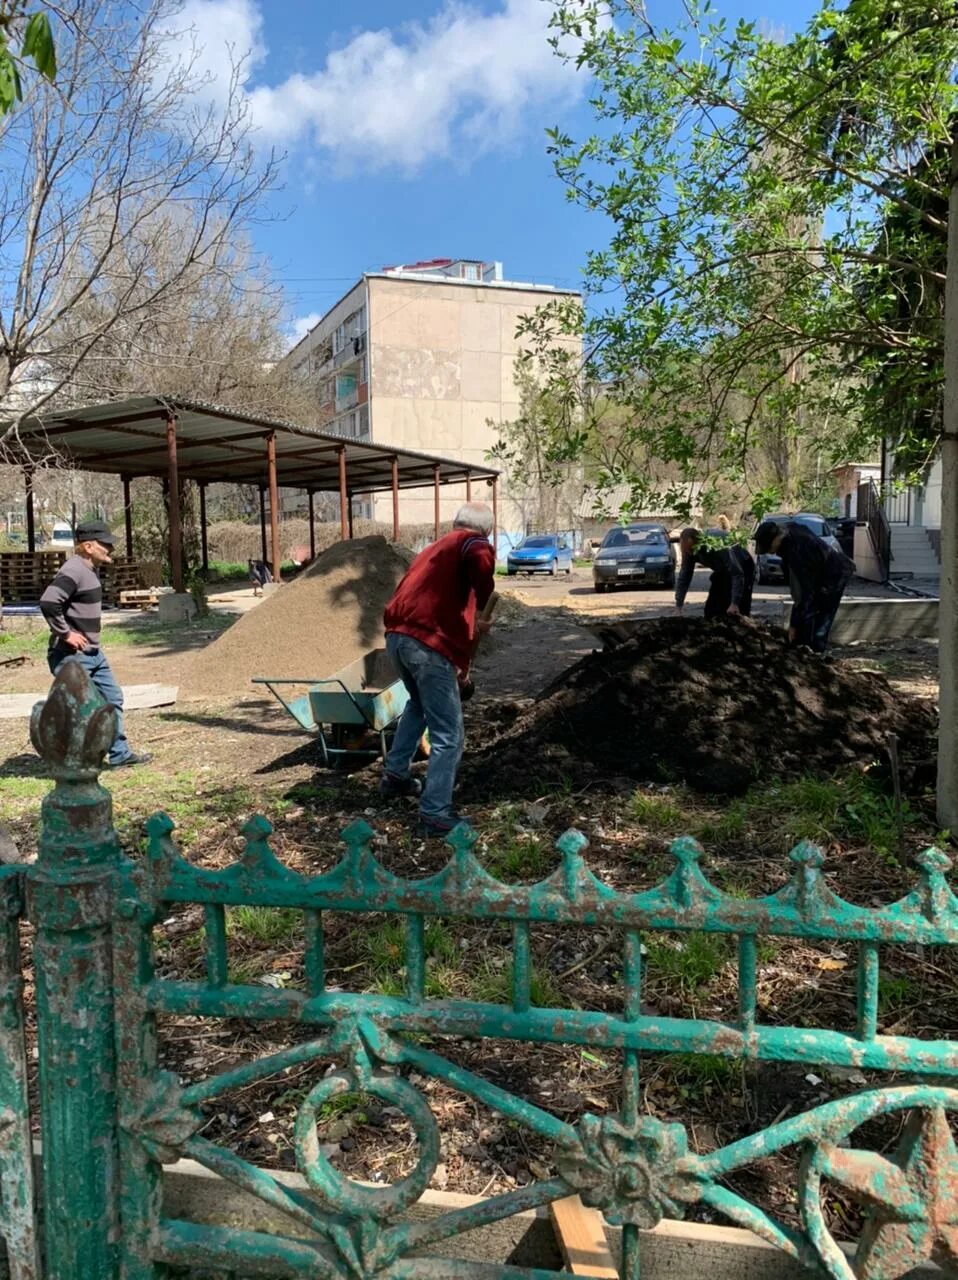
(70, 901)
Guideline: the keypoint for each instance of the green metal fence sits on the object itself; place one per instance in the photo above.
(109, 1117)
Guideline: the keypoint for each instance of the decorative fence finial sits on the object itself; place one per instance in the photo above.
(74, 728)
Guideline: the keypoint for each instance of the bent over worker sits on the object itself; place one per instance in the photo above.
(817, 577)
(71, 606)
(430, 629)
(733, 575)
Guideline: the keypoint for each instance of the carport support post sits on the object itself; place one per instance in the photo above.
(495, 516)
(273, 504)
(262, 523)
(435, 497)
(127, 517)
(343, 495)
(312, 524)
(176, 529)
(31, 523)
(395, 471)
(350, 502)
(468, 486)
(204, 549)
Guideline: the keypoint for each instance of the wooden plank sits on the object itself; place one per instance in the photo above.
(136, 697)
(581, 1235)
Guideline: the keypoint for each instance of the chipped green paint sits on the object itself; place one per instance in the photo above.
(86, 900)
(70, 901)
(17, 1210)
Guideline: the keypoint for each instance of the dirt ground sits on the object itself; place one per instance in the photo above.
(218, 761)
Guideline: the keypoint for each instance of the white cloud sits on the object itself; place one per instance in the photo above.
(455, 86)
(297, 329)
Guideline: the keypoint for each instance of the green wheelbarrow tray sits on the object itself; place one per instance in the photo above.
(368, 693)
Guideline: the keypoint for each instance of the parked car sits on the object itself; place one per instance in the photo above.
(540, 553)
(769, 567)
(633, 555)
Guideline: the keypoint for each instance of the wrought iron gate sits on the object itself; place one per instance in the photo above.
(104, 1215)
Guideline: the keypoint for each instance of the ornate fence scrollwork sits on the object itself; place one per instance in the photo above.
(634, 1167)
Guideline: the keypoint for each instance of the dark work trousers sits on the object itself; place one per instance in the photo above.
(720, 594)
(814, 630)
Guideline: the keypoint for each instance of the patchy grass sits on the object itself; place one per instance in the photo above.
(493, 985)
(658, 812)
(852, 807)
(690, 961)
(268, 926)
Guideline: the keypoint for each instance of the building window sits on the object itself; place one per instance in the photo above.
(351, 333)
(346, 391)
(470, 271)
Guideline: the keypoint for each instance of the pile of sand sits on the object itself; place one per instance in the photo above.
(715, 704)
(311, 627)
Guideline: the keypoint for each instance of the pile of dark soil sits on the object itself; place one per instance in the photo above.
(713, 704)
(311, 627)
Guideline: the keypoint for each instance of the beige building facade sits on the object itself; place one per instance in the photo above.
(423, 357)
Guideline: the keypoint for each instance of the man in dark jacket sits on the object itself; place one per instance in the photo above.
(430, 628)
(71, 606)
(733, 575)
(817, 577)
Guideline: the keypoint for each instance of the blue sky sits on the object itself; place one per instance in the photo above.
(416, 130)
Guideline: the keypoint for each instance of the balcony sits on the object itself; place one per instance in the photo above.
(354, 349)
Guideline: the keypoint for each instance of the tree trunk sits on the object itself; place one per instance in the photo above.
(948, 607)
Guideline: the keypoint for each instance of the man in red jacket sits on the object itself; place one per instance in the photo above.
(430, 628)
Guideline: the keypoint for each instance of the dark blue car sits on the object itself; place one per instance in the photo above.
(540, 553)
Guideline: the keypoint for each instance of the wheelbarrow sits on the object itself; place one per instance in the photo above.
(344, 710)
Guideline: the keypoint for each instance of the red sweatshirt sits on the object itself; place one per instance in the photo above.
(436, 601)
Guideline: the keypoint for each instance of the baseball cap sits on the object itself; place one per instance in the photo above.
(94, 531)
(765, 535)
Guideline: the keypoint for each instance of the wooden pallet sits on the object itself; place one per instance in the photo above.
(139, 598)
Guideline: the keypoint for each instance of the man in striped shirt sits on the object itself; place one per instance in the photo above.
(72, 605)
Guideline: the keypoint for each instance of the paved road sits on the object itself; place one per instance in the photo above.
(577, 593)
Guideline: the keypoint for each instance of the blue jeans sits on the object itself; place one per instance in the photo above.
(434, 704)
(98, 669)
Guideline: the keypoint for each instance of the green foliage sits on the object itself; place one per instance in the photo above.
(896, 992)
(852, 806)
(271, 926)
(776, 239)
(691, 960)
(519, 857)
(23, 37)
(493, 985)
(657, 812)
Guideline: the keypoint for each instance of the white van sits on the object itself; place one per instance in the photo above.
(62, 537)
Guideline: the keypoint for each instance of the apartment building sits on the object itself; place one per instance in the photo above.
(422, 356)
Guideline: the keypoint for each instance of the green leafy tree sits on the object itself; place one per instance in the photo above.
(752, 187)
(778, 217)
(24, 37)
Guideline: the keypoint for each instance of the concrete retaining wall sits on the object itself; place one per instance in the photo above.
(873, 621)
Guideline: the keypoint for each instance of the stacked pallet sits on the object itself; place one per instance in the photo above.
(25, 574)
(124, 574)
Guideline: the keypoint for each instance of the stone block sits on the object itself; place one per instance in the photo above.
(177, 606)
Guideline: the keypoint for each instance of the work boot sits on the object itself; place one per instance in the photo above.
(439, 828)
(392, 788)
(142, 757)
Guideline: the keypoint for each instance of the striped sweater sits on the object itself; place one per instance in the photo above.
(72, 602)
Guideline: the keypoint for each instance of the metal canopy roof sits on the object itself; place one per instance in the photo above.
(213, 444)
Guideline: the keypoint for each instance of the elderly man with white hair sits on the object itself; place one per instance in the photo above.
(431, 626)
